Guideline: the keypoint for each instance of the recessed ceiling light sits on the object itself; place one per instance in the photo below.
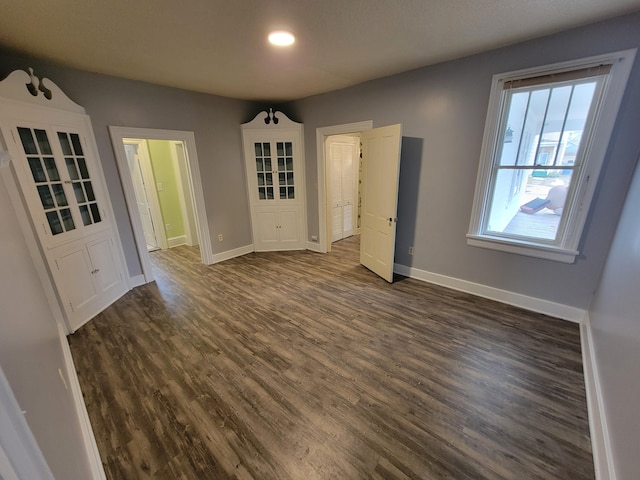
(281, 38)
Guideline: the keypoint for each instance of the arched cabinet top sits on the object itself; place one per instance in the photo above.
(28, 88)
(270, 120)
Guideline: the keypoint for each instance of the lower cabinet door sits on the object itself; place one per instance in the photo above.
(74, 279)
(106, 274)
(289, 228)
(267, 229)
(88, 277)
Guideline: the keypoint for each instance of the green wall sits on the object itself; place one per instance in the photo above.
(163, 171)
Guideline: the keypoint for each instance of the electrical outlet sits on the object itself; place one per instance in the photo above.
(168, 225)
(410, 250)
(219, 237)
(160, 186)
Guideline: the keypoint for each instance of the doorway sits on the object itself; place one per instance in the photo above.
(164, 201)
(343, 195)
(324, 193)
(381, 149)
(163, 191)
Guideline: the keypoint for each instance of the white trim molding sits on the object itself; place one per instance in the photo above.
(229, 254)
(90, 445)
(137, 280)
(600, 440)
(553, 309)
(315, 247)
(176, 241)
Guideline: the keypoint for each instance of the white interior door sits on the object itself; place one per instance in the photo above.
(380, 174)
(142, 198)
(342, 162)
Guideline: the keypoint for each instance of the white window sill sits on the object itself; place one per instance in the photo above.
(529, 249)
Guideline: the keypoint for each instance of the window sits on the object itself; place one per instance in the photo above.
(546, 136)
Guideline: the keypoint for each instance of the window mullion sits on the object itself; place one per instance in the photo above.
(544, 120)
(524, 123)
(564, 124)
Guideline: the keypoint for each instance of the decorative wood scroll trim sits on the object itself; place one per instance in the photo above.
(270, 121)
(27, 87)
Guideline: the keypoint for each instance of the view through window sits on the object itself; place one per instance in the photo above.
(544, 124)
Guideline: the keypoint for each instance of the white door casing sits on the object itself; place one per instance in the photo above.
(55, 160)
(186, 201)
(380, 176)
(193, 180)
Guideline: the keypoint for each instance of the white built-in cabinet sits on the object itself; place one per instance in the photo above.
(275, 181)
(55, 161)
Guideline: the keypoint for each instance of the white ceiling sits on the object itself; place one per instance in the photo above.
(219, 46)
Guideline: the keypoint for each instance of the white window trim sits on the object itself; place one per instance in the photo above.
(614, 88)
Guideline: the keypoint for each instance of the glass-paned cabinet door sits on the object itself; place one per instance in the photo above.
(63, 183)
(46, 175)
(286, 187)
(80, 177)
(264, 170)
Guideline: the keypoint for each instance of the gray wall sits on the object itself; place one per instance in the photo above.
(615, 326)
(31, 354)
(214, 120)
(442, 109)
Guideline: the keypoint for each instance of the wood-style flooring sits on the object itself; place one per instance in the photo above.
(303, 366)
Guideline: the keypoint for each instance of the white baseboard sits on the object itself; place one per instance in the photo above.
(90, 445)
(137, 281)
(539, 305)
(236, 252)
(600, 443)
(176, 241)
(314, 247)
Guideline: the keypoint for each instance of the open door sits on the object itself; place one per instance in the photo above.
(142, 189)
(380, 174)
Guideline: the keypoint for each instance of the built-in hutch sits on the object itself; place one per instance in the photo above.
(275, 179)
(51, 146)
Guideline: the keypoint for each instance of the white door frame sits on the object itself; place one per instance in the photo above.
(118, 134)
(321, 135)
(182, 181)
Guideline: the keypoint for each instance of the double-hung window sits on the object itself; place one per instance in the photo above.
(545, 140)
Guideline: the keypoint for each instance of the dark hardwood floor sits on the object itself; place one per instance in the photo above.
(298, 365)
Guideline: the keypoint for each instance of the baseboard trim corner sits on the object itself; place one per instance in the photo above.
(314, 247)
(538, 305)
(229, 254)
(599, 432)
(137, 281)
(89, 440)
(176, 241)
